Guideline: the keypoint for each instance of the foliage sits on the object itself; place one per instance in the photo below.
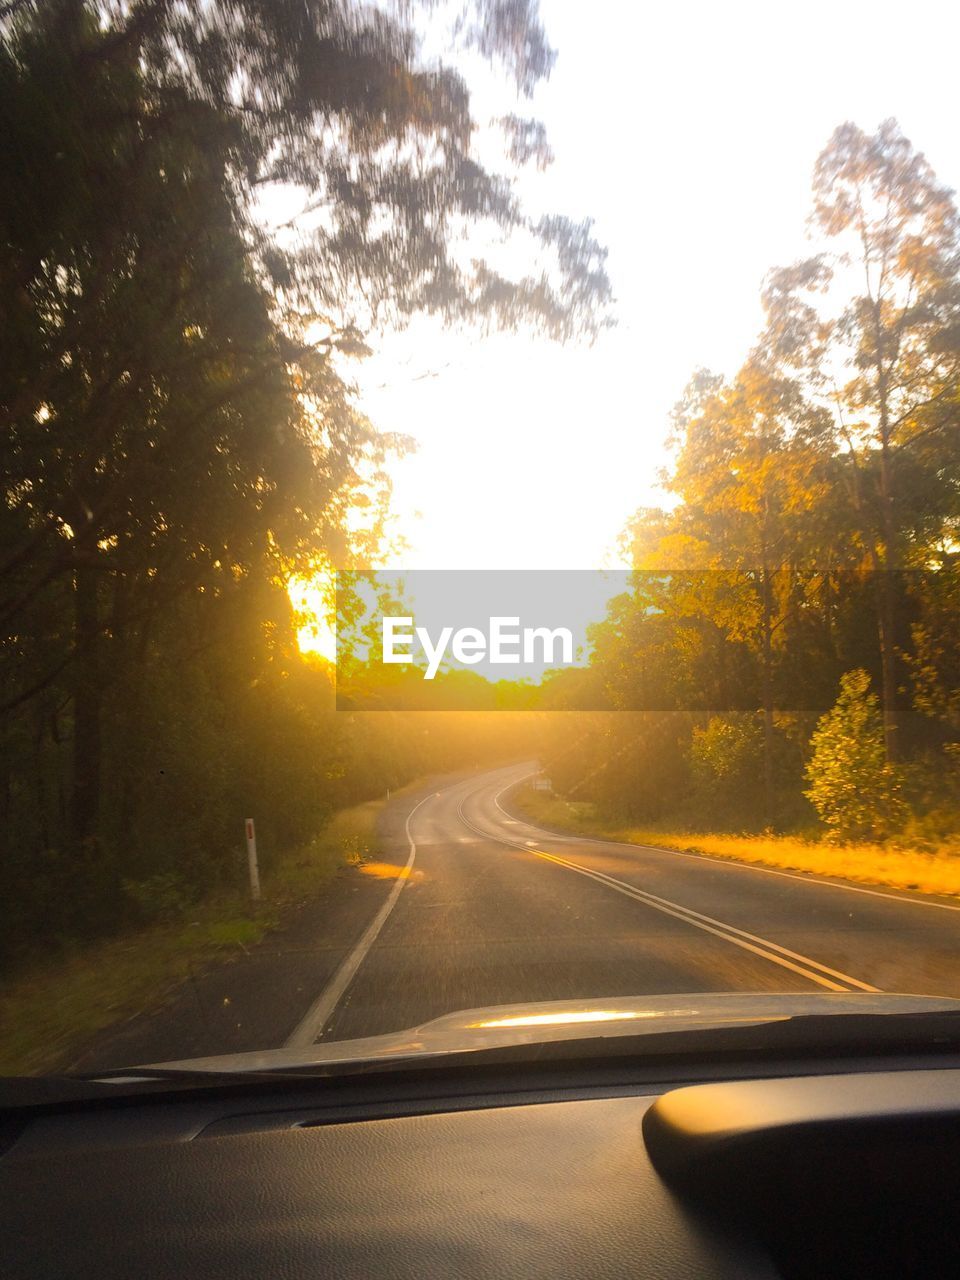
(180, 432)
(630, 764)
(881, 358)
(159, 897)
(853, 787)
(934, 663)
(727, 759)
(811, 532)
(905, 868)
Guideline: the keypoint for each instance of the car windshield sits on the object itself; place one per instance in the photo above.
(480, 523)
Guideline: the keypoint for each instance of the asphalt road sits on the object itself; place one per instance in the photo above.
(467, 906)
(492, 910)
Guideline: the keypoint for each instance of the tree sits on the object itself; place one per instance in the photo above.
(172, 394)
(156, 443)
(726, 756)
(872, 325)
(853, 787)
(934, 664)
(815, 517)
(749, 471)
(179, 433)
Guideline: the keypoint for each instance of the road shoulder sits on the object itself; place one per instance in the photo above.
(250, 996)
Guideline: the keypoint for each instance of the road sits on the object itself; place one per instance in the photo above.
(493, 910)
(465, 905)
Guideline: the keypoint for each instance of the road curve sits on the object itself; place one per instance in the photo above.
(494, 910)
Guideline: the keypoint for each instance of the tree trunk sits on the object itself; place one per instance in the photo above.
(130, 728)
(887, 594)
(85, 812)
(888, 662)
(767, 676)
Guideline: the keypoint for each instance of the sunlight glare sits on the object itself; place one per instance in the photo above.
(312, 600)
(563, 1019)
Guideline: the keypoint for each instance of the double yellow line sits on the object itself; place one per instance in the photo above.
(803, 965)
(822, 974)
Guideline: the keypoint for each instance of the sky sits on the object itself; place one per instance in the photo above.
(688, 132)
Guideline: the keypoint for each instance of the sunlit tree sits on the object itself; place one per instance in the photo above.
(853, 787)
(872, 325)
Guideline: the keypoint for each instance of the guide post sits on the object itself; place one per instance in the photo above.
(252, 859)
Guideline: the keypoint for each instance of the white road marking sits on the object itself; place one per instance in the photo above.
(716, 861)
(763, 947)
(515, 783)
(816, 972)
(309, 1028)
(311, 1025)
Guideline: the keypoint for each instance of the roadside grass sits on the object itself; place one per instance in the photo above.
(887, 865)
(51, 1009)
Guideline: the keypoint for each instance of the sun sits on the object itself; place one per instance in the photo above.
(312, 599)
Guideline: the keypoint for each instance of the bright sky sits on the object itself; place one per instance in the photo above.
(688, 132)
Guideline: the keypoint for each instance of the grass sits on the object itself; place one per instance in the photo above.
(51, 1010)
(885, 865)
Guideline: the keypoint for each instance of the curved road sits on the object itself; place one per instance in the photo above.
(486, 909)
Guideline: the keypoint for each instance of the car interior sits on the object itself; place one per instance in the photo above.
(796, 1150)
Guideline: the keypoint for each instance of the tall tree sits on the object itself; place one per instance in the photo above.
(748, 473)
(743, 599)
(872, 324)
(171, 419)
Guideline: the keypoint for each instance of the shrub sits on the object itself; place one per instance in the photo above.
(728, 751)
(726, 764)
(853, 787)
(159, 897)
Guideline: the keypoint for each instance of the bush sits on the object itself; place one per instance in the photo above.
(159, 897)
(726, 764)
(728, 752)
(854, 789)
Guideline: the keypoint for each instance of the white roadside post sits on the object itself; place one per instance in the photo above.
(252, 859)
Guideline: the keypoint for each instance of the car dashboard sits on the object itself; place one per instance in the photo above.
(547, 1172)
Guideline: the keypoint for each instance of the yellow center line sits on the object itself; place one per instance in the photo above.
(771, 951)
(823, 975)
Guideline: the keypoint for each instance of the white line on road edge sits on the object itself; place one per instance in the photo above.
(715, 860)
(762, 947)
(739, 937)
(309, 1028)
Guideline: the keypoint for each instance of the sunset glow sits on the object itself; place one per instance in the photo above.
(312, 600)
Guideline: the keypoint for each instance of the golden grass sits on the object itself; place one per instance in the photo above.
(51, 1010)
(888, 866)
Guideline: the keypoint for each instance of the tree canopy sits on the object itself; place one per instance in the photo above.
(808, 550)
(180, 429)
